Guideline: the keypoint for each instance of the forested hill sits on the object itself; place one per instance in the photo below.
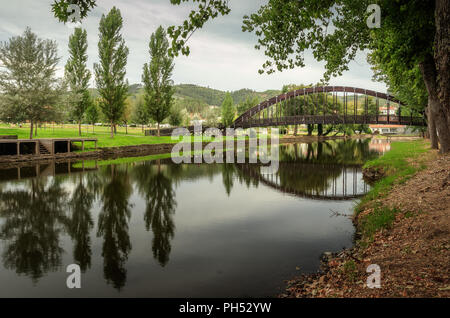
(206, 95)
(215, 97)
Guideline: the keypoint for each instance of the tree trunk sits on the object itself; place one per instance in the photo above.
(126, 128)
(442, 55)
(93, 127)
(295, 130)
(432, 128)
(31, 129)
(158, 130)
(319, 129)
(428, 70)
(35, 129)
(115, 128)
(79, 128)
(112, 130)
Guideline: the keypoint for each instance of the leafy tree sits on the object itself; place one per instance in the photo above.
(128, 112)
(408, 85)
(206, 10)
(187, 120)
(245, 105)
(140, 113)
(212, 117)
(228, 110)
(176, 116)
(92, 113)
(413, 32)
(158, 85)
(28, 82)
(110, 71)
(78, 75)
(60, 8)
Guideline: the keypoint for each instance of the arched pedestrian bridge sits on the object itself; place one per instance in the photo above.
(329, 105)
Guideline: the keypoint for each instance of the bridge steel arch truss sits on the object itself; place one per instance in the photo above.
(324, 105)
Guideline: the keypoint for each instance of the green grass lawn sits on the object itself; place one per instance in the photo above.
(135, 135)
(133, 138)
(398, 165)
(103, 136)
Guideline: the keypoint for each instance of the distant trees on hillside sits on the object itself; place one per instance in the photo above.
(207, 95)
(176, 116)
(210, 96)
(245, 105)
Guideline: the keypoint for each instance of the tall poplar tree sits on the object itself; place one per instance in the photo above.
(78, 75)
(158, 85)
(110, 71)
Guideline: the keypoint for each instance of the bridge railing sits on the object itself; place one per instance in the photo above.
(328, 105)
(330, 119)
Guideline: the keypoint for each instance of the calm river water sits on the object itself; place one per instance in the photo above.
(156, 229)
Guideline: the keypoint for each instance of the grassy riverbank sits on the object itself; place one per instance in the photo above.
(402, 226)
(134, 137)
(396, 166)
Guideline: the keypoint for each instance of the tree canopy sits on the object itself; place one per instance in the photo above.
(414, 34)
(228, 111)
(31, 90)
(63, 12)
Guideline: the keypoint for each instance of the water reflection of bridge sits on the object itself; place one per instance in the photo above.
(45, 208)
(339, 182)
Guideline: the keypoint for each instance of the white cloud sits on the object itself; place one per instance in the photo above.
(221, 57)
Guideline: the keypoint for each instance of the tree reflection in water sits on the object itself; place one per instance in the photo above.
(159, 194)
(113, 223)
(33, 222)
(33, 211)
(80, 223)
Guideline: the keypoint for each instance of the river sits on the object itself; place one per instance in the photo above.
(157, 229)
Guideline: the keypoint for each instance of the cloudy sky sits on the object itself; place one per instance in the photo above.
(222, 56)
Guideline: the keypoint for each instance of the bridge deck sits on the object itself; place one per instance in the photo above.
(330, 119)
